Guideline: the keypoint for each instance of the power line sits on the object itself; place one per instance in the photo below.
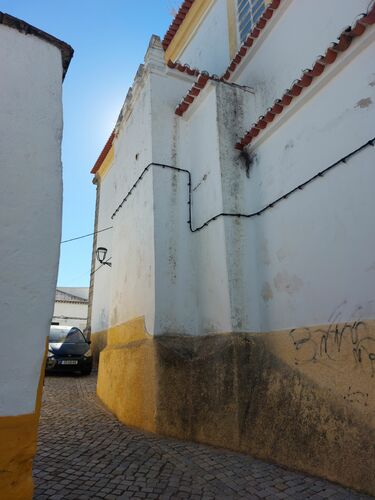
(86, 235)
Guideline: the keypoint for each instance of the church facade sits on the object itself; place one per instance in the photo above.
(235, 302)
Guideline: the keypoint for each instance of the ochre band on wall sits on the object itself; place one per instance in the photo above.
(303, 397)
(126, 378)
(106, 164)
(18, 438)
(232, 28)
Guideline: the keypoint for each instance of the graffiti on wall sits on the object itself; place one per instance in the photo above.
(334, 342)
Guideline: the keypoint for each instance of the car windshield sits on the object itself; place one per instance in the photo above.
(72, 335)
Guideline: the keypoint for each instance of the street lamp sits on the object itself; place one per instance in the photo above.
(101, 253)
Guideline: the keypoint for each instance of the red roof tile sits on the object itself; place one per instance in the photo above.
(103, 154)
(308, 76)
(176, 23)
(195, 90)
(183, 68)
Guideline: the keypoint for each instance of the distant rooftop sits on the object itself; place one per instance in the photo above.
(27, 29)
(71, 294)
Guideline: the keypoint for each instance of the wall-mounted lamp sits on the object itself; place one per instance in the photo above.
(101, 253)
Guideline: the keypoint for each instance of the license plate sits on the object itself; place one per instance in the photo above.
(69, 362)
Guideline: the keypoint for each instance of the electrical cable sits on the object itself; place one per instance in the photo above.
(341, 161)
(86, 235)
(320, 174)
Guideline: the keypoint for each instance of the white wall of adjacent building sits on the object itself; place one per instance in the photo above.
(30, 210)
(70, 313)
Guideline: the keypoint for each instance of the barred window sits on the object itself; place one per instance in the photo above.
(249, 11)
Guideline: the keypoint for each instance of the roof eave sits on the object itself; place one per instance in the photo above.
(23, 27)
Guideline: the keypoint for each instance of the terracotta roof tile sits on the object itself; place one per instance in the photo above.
(183, 68)
(194, 91)
(103, 154)
(176, 23)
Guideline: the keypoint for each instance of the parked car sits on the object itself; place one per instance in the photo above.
(68, 350)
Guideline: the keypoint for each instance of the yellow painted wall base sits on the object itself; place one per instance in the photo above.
(126, 378)
(18, 438)
(304, 398)
(17, 448)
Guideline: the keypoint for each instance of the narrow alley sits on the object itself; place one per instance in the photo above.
(85, 453)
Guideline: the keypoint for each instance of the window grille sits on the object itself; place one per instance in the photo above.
(249, 12)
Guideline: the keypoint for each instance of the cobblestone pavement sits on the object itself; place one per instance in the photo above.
(85, 453)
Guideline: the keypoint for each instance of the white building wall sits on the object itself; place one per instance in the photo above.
(126, 290)
(316, 246)
(175, 293)
(199, 152)
(307, 261)
(230, 276)
(208, 48)
(100, 314)
(68, 313)
(242, 284)
(133, 241)
(329, 120)
(30, 210)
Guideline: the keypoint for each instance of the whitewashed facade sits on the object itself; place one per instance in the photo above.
(71, 307)
(272, 242)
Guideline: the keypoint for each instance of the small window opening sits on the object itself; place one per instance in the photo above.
(248, 13)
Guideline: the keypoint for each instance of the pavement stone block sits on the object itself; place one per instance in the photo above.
(84, 453)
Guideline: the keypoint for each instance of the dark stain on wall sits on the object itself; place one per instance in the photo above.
(232, 391)
(98, 343)
(247, 161)
(364, 103)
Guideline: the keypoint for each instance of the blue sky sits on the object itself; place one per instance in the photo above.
(109, 38)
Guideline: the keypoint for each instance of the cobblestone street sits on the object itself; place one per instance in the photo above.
(85, 453)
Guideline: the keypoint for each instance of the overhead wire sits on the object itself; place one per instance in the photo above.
(86, 235)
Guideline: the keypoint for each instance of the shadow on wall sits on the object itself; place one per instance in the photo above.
(303, 398)
(98, 343)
